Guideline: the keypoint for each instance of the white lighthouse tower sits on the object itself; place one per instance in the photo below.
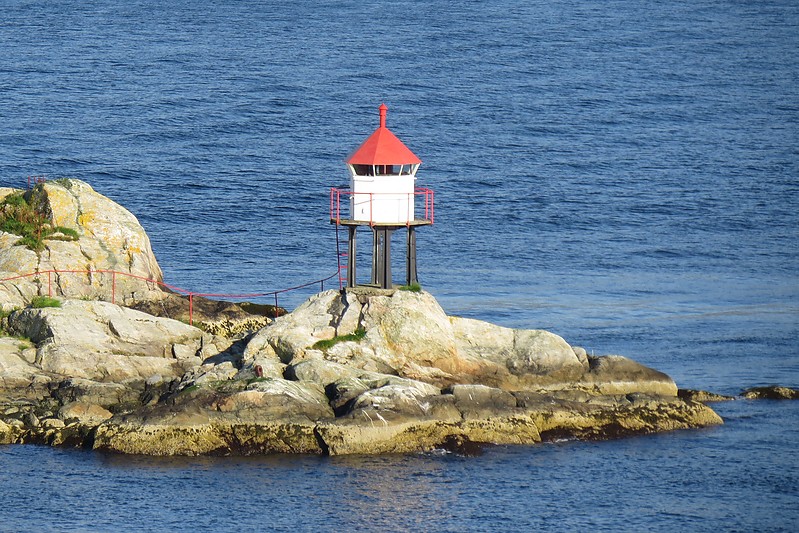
(384, 197)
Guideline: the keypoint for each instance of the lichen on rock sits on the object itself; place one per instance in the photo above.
(109, 237)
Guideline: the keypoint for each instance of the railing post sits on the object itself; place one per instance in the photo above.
(276, 305)
(426, 206)
(410, 204)
(191, 308)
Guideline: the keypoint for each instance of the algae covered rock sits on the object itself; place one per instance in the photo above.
(771, 392)
(703, 396)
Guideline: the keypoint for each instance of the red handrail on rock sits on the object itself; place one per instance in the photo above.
(35, 180)
(182, 291)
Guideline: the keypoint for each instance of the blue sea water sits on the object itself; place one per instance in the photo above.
(625, 174)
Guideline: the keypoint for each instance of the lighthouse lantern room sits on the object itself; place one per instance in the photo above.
(384, 197)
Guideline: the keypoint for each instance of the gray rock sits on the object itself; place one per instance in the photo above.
(7, 433)
(409, 334)
(319, 371)
(469, 397)
(100, 341)
(702, 396)
(614, 374)
(581, 354)
(540, 352)
(393, 402)
(30, 420)
(344, 391)
(212, 373)
(291, 335)
(17, 370)
(280, 397)
(84, 413)
(52, 423)
(177, 390)
(94, 392)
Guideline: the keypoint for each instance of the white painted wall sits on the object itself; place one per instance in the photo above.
(383, 199)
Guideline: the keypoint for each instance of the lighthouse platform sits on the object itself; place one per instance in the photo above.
(382, 209)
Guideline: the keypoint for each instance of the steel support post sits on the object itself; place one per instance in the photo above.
(351, 258)
(410, 270)
(375, 256)
(385, 259)
(381, 257)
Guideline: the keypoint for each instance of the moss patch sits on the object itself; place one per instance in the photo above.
(326, 344)
(44, 301)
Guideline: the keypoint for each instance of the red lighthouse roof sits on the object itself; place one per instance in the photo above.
(383, 148)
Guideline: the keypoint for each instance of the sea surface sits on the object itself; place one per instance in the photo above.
(622, 173)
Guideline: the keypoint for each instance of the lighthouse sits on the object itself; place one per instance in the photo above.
(383, 197)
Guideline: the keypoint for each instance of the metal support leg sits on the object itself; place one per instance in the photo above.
(351, 258)
(385, 259)
(375, 256)
(410, 271)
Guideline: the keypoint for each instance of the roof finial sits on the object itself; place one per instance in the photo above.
(383, 111)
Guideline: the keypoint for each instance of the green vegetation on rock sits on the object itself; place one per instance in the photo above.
(325, 344)
(19, 217)
(44, 301)
(413, 287)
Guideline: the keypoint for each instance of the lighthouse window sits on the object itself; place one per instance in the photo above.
(389, 170)
(364, 170)
(381, 170)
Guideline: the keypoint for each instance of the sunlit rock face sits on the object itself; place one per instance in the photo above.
(109, 237)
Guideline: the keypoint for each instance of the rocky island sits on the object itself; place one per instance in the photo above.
(359, 371)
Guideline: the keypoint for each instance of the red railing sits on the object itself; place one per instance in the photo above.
(427, 196)
(35, 180)
(190, 294)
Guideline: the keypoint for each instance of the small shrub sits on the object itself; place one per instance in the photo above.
(44, 301)
(19, 217)
(325, 344)
(17, 227)
(31, 242)
(15, 200)
(413, 287)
